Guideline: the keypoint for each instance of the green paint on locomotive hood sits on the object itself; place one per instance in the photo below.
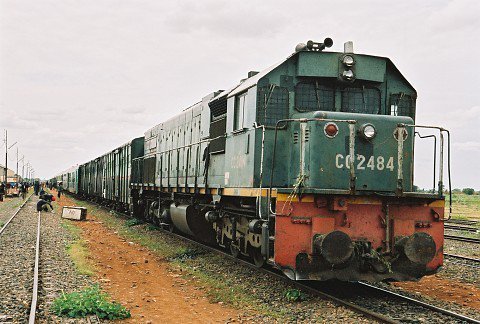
(376, 160)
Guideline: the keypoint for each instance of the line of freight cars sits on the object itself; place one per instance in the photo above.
(105, 179)
(307, 165)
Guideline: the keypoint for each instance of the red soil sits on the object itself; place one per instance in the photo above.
(143, 283)
(448, 290)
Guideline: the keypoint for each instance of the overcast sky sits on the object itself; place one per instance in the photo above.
(79, 78)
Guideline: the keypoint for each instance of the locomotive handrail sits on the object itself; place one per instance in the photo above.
(441, 157)
(351, 123)
(434, 155)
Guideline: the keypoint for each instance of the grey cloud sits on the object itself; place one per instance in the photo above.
(80, 78)
(229, 19)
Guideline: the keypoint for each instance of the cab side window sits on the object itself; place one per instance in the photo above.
(239, 112)
(402, 104)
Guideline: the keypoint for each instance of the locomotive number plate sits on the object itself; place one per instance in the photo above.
(373, 163)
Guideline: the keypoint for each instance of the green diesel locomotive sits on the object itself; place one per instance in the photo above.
(306, 165)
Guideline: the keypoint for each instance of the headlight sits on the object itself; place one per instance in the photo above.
(348, 75)
(348, 60)
(368, 131)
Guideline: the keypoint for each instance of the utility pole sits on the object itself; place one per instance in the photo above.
(23, 165)
(6, 157)
(17, 165)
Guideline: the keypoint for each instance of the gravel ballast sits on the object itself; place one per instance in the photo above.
(57, 272)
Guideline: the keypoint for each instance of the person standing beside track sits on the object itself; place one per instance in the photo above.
(36, 187)
(2, 190)
(59, 190)
(24, 189)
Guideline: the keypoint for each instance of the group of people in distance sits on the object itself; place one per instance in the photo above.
(22, 187)
(45, 199)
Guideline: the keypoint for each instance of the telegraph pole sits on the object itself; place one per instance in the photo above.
(6, 157)
(17, 165)
(23, 165)
(28, 167)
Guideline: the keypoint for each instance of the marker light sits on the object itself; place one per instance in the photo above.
(331, 130)
(348, 60)
(368, 131)
(348, 75)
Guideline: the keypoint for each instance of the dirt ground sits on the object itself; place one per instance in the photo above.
(137, 279)
(448, 290)
(133, 276)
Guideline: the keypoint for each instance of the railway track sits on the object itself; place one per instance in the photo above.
(462, 238)
(463, 222)
(420, 303)
(463, 260)
(333, 295)
(369, 309)
(25, 237)
(14, 214)
(462, 228)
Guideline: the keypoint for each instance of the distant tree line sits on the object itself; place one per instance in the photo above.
(466, 191)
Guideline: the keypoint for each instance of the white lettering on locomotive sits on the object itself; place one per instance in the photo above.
(373, 163)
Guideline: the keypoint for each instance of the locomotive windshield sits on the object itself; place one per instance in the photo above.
(312, 96)
(361, 100)
(316, 95)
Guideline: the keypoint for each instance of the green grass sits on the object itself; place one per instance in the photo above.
(294, 295)
(90, 301)
(134, 222)
(78, 250)
(189, 261)
(464, 206)
(180, 255)
(9, 204)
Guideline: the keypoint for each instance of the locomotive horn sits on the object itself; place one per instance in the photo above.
(313, 46)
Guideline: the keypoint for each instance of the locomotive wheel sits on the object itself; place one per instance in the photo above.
(234, 251)
(258, 258)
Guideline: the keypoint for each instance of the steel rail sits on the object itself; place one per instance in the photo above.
(368, 313)
(462, 238)
(311, 290)
(461, 228)
(14, 214)
(421, 303)
(33, 305)
(463, 221)
(461, 257)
